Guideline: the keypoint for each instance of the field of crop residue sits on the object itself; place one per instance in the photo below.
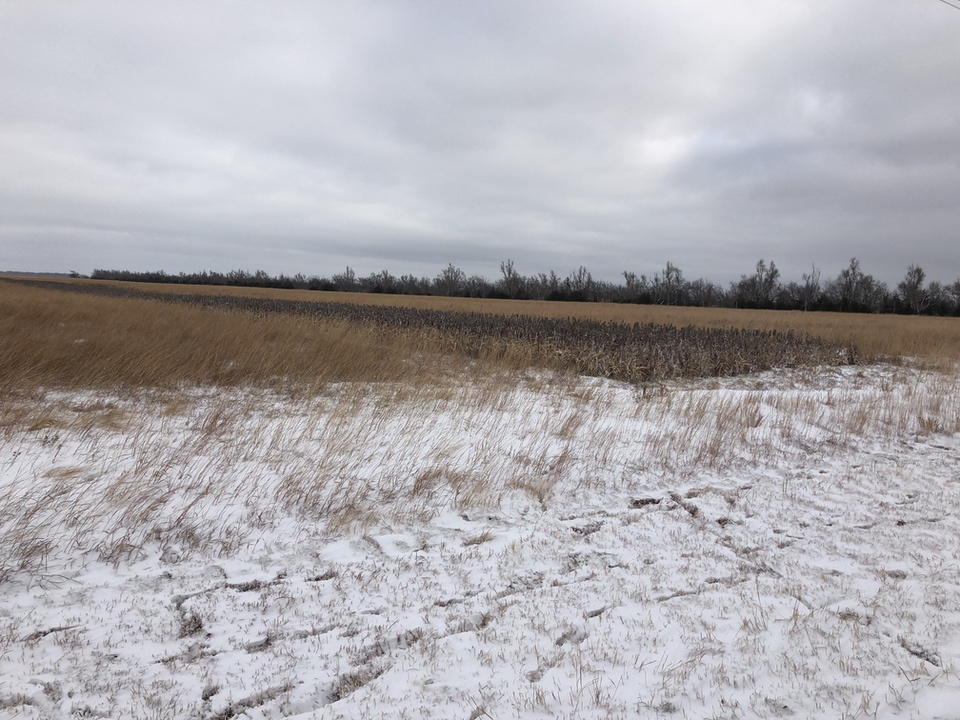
(236, 511)
(877, 336)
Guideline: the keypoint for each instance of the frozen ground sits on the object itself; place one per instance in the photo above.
(784, 545)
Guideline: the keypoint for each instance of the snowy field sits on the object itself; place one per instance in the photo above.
(780, 545)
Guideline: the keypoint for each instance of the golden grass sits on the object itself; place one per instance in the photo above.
(89, 339)
(929, 338)
(51, 339)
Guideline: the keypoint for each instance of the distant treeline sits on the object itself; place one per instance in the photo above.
(851, 290)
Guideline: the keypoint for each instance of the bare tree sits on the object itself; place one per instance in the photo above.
(382, 282)
(345, 281)
(451, 281)
(668, 286)
(581, 285)
(512, 282)
(810, 288)
(537, 287)
(952, 291)
(767, 280)
(940, 302)
(412, 285)
(635, 288)
(912, 291)
(854, 291)
(704, 293)
(757, 290)
(476, 286)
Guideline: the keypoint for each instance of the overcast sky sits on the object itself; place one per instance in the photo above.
(405, 135)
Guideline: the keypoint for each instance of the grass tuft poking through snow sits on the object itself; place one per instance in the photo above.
(784, 544)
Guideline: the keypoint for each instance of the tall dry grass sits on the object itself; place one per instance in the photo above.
(408, 433)
(65, 340)
(268, 341)
(212, 469)
(879, 336)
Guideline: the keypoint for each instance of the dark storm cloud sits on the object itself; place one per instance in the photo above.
(306, 137)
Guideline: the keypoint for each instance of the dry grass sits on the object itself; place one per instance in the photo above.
(128, 337)
(677, 581)
(50, 339)
(470, 438)
(209, 470)
(930, 338)
(93, 474)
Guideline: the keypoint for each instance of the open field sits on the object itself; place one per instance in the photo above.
(931, 338)
(135, 338)
(214, 515)
(73, 340)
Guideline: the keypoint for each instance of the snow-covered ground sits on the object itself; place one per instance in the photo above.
(781, 545)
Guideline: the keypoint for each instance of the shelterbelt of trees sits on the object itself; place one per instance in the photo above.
(852, 290)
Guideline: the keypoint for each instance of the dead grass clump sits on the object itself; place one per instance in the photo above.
(485, 536)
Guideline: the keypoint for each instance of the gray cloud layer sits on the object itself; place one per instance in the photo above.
(618, 135)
